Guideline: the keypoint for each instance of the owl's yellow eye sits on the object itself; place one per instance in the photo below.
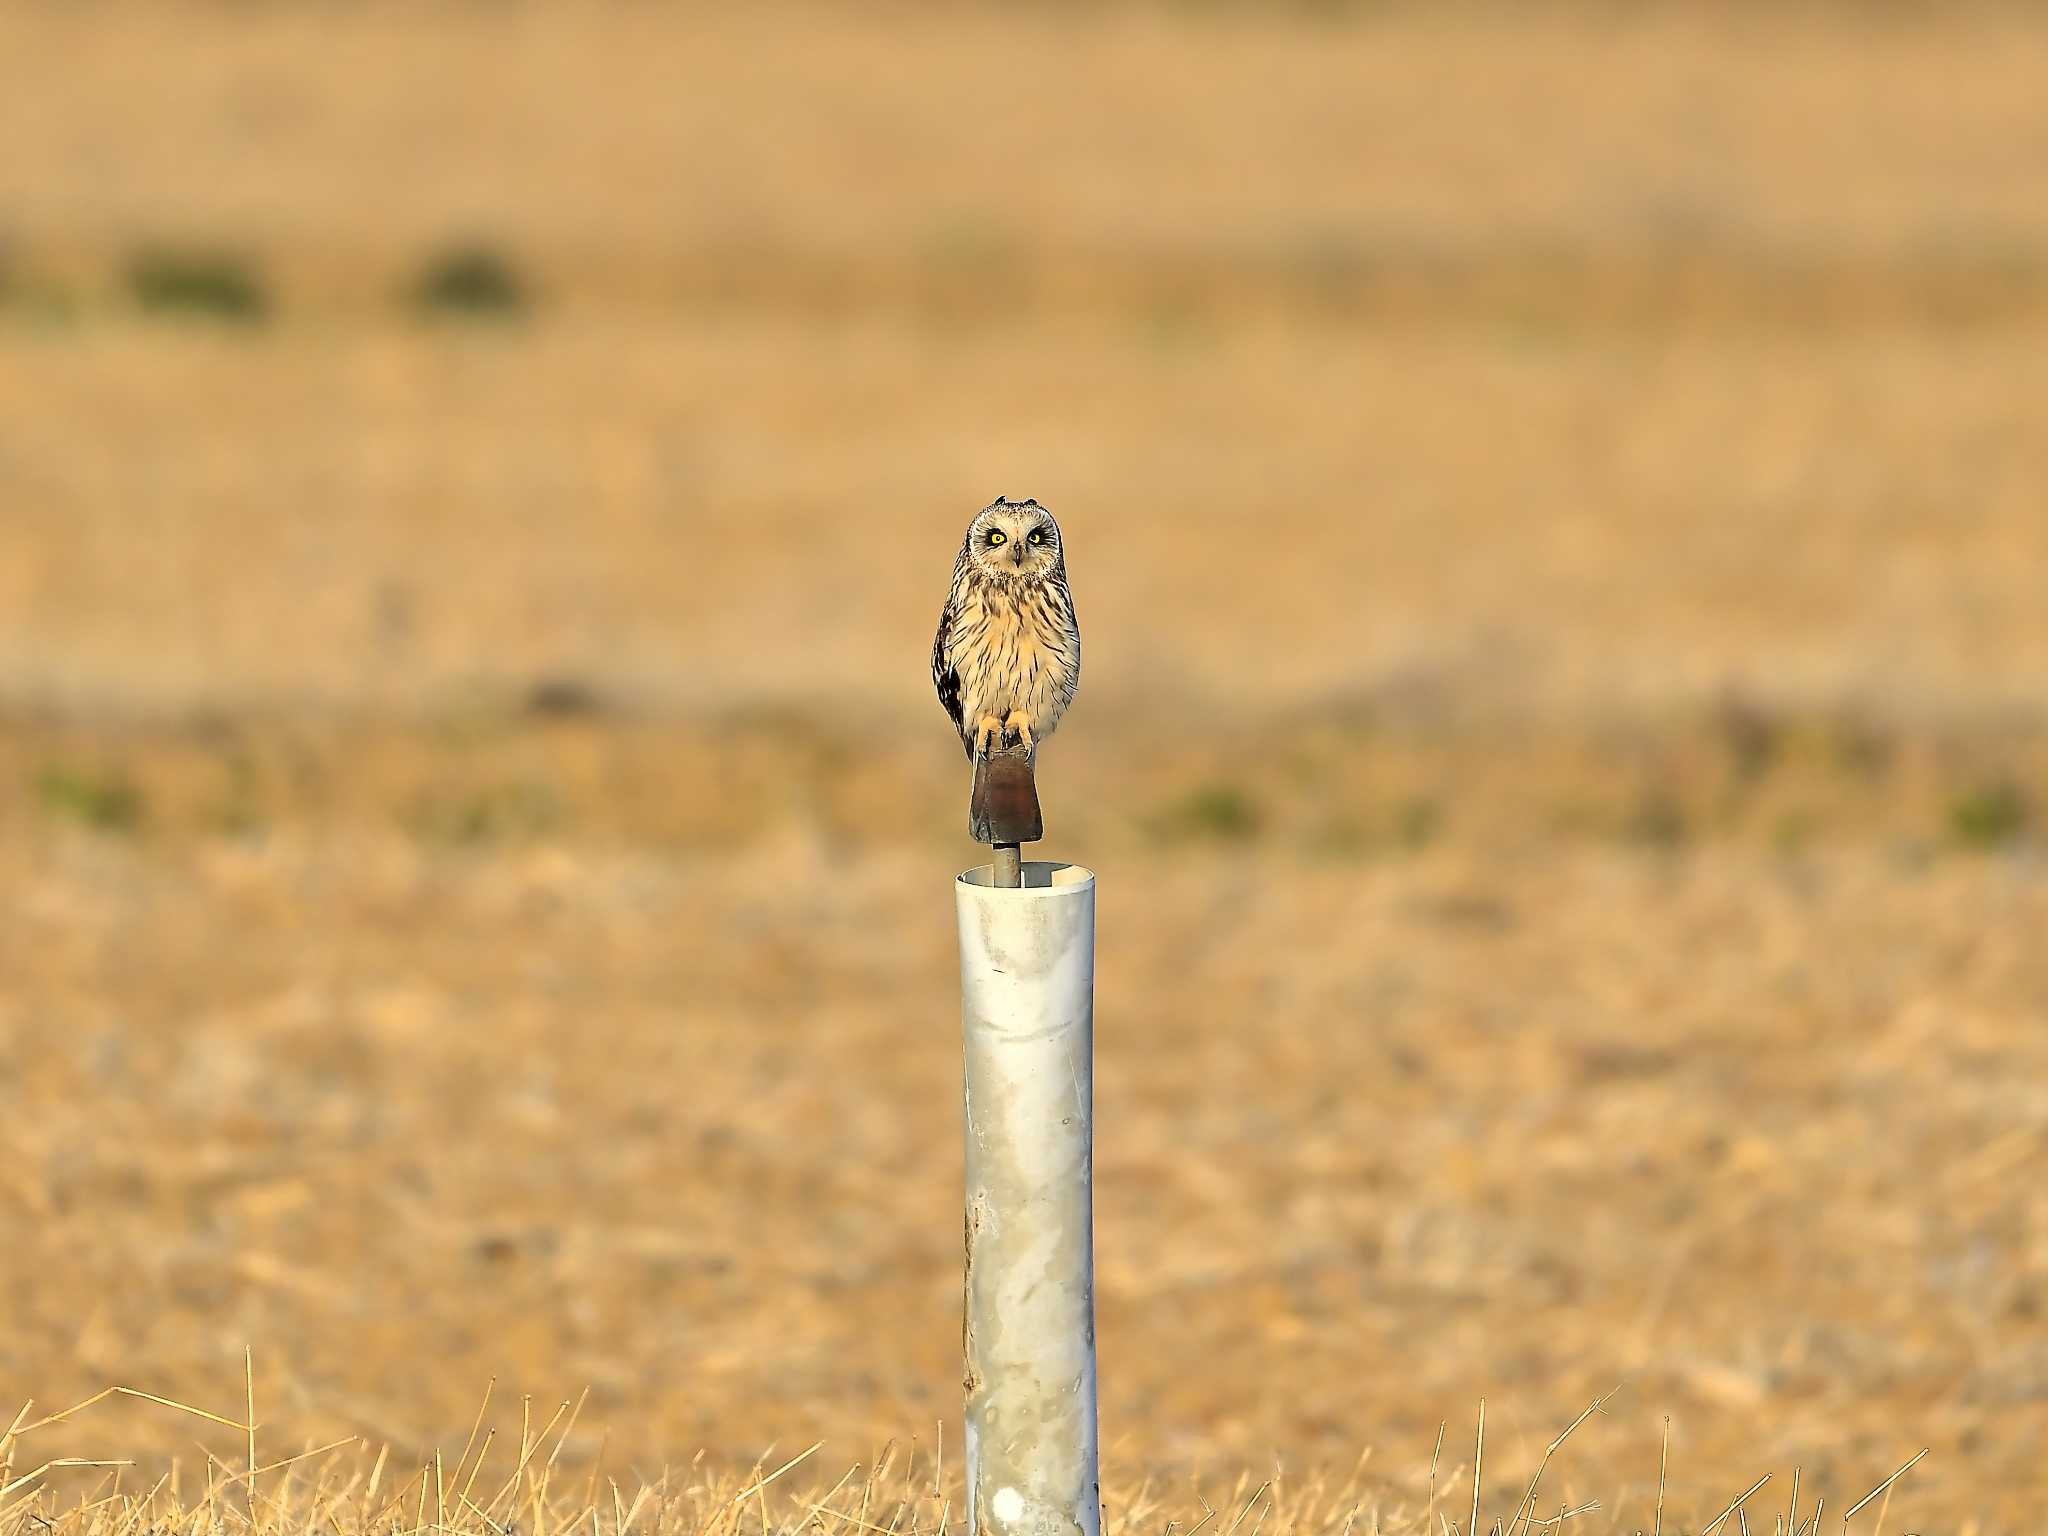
(997, 536)
(1035, 536)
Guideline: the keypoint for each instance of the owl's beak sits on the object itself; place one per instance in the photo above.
(1016, 553)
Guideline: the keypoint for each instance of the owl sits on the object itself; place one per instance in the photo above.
(1007, 658)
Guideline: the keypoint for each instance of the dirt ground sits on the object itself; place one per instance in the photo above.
(1558, 504)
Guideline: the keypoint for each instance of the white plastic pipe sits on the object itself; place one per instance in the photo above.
(1027, 1013)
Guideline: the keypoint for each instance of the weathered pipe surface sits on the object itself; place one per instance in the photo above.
(1027, 1010)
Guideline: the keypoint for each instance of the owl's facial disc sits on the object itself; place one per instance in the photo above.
(1012, 539)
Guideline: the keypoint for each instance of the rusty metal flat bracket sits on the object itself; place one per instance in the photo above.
(1002, 810)
(1004, 805)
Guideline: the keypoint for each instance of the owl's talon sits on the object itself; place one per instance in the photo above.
(1019, 725)
(986, 726)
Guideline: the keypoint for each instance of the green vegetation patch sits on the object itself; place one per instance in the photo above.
(106, 802)
(472, 281)
(1989, 816)
(208, 285)
(514, 812)
(1215, 812)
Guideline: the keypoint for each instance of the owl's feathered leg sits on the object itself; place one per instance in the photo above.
(986, 726)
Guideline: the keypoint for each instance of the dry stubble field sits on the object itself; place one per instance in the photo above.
(1557, 508)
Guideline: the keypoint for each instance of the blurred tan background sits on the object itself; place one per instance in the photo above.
(1558, 503)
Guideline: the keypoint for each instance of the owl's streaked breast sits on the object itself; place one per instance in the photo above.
(1015, 649)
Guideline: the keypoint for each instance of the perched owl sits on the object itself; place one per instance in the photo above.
(1007, 658)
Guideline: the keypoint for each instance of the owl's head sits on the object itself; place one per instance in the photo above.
(1013, 540)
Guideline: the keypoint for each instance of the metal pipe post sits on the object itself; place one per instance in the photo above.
(1027, 1009)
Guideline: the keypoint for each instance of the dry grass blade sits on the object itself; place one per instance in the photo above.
(489, 1436)
(249, 1382)
(527, 1446)
(1558, 1519)
(563, 1438)
(1528, 1504)
(1429, 1509)
(796, 1460)
(604, 1442)
(1478, 1457)
(1882, 1488)
(1257, 1494)
(537, 1488)
(818, 1506)
(319, 1450)
(1743, 1498)
(50, 1466)
(1663, 1466)
(148, 1397)
(476, 1425)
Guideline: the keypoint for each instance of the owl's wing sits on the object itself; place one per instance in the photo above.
(1070, 627)
(945, 677)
